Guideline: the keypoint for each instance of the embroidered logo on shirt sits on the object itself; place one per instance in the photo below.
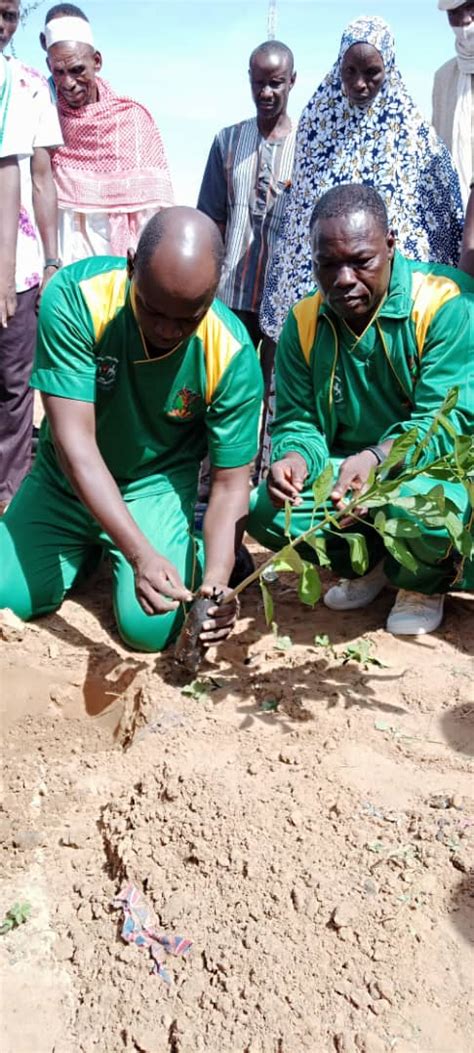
(107, 372)
(184, 402)
(338, 391)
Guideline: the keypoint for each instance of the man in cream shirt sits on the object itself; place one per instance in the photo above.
(453, 92)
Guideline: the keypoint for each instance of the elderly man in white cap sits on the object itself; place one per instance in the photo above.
(111, 174)
(453, 92)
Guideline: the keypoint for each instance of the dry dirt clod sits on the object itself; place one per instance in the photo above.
(343, 916)
(368, 1042)
(460, 862)
(360, 998)
(441, 801)
(344, 1042)
(27, 839)
(74, 838)
(146, 1041)
(12, 629)
(343, 987)
(288, 757)
(64, 950)
(386, 990)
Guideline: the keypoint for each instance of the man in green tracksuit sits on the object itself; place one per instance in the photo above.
(360, 362)
(142, 373)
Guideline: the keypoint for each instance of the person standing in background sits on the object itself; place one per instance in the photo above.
(361, 125)
(243, 189)
(466, 263)
(29, 128)
(453, 93)
(111, 174)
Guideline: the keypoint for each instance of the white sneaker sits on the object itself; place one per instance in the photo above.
(349, 594)
(414, 613)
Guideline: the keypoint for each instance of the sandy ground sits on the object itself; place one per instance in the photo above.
(307, 823)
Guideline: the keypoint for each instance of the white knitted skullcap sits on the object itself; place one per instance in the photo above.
(76, 30)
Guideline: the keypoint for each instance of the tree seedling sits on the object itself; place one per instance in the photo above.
(323, 640)
(16, 916)
(388, 486)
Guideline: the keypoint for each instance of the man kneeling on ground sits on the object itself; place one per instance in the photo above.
(360, 362)
(141, 375)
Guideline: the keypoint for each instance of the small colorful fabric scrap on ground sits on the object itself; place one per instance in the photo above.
(141, 927)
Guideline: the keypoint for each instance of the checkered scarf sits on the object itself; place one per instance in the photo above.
(113, 158)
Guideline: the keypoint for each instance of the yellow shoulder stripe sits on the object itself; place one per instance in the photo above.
(104, 295)
(306, 313)
(429, 293)
(220, 346)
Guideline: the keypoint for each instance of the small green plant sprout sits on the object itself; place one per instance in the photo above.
(200, 689)
(269, 705)
(324, 641)
(387, 485)
(282, 643)
(16, 916)
(361, 652)
(197, 689)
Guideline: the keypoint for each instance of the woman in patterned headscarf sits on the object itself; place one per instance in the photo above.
(361, 126)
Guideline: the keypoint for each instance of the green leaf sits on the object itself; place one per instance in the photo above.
(433, 520)
(16, 916)
(197, 689)
(402, 528)
(322, 640)
(361, 652)
(469, 488)
(400, 448)
(446, 470)
(449, 402)
(267, 602)
(436, 495)
(309, 589)
(464, 451)
(288, 511)
(379, 523)
(283, 643)
(446, 424)
(318, 544)
(460, 537)
(446, 408)
(358, 552)
(270, 705)
(288, 560)
(323, 485)
(401, 553)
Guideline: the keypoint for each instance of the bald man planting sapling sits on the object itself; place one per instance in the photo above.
(142, 372)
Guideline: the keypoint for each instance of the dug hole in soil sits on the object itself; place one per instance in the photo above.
(304, 820)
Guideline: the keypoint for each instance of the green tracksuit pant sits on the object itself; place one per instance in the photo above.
(437, 572)
(48, 540)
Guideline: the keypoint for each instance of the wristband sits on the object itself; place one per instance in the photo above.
(56, 263)
(378, 452)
